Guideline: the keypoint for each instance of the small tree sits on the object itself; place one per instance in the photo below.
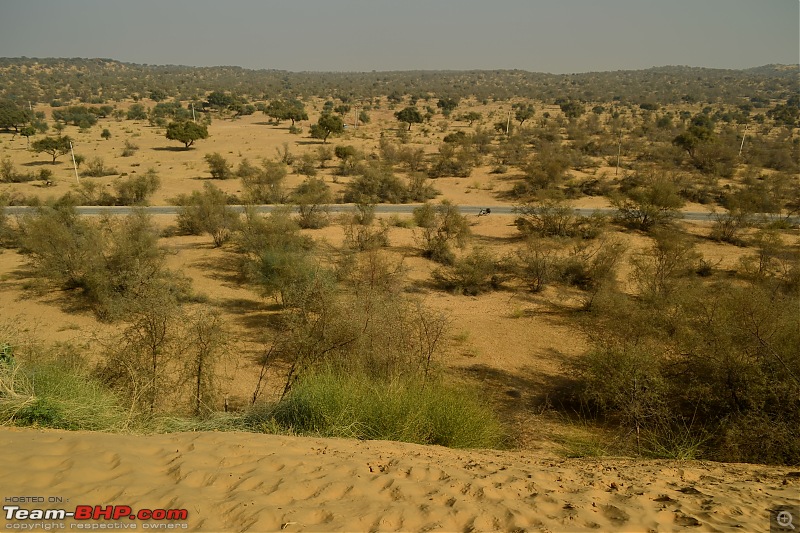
(28, 132)
(327, 125)
(207, 341)
(447, 105)
(106, 134)
(220, 168)
(13, 116)
(136, 112)
(472, 116)
(186, 132)
(54, 146)
(409, 115)
(524, 112)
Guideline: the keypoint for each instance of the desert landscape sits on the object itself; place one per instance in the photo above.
(303, 315)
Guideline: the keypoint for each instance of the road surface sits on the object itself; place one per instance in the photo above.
(399, 209)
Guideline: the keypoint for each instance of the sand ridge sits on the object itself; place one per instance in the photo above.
(257, 482)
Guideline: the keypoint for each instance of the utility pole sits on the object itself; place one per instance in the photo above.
(743, 136)
(74, 164)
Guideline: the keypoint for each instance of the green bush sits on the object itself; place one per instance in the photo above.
(135, 190)
(218, 166)
(350, 405)
(708, 371)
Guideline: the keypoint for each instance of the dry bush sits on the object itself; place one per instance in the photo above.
(648, 201)
(553, 218)
(440, 225)
(592, 267)
(660, 269)
(114, 262)
(376, 183)
(361, 237)
(472, 274)
(312, 198)
(535, 264)
(263, 185)
(96, 168)
(709, 370)
(207, 212)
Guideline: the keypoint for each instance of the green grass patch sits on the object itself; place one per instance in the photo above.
(57, 396)
(332, 404)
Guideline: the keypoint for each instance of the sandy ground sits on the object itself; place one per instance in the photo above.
(253, 482)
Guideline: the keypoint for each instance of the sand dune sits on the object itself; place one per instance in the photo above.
(253, 482)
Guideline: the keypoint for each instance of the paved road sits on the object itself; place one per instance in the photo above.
(400, 209)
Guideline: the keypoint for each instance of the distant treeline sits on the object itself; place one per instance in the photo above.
(103, 80)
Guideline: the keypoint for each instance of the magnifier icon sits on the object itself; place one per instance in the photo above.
(784, 519)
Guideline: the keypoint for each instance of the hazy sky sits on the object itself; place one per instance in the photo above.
(558, 36)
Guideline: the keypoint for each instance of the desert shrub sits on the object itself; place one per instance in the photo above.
(376, 183)
(129, 149)
(312, 198)
(453, 160)
(554, 218)
(275, 255)
(729, 224)
(218, 166)
(349, 159)
(63, 247)
(114, 262)
(6, 233)
(548, 169)
(440, 225)
(206, 212)
(368, 328)
(369, 272)
(167, 359)
(474, 273)
(335, 404)
(591, 267)
(96, 168)
(361, 237)
(412, 158)
(285, 155)
(263, 185)
(306, 165)
(715, 365)
(420, 188)
(135, 190)
(775, 264)
(659, 269)
(534, 264)
(89, 192)
(8, 173)
(648, 201)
